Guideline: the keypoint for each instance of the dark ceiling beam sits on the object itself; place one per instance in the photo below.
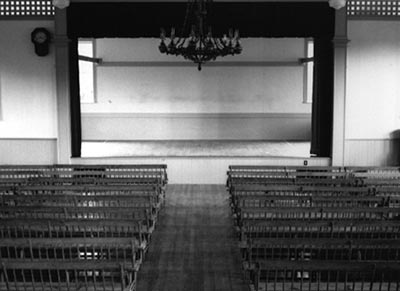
(253, 19)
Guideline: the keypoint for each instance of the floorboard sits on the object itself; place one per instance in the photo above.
(193, 247)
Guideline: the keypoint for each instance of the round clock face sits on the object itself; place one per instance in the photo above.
(40, 37)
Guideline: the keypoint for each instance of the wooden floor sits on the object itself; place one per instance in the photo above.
(192, 148)
(193, 247)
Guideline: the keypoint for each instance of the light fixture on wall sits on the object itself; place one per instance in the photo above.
(196, 42)
(61, 4)
(337, 4)
(41, 39)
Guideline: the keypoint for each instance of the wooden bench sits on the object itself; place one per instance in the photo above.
(319, 213)
(336, 182)
(11, 172)
(110, 195)
(85, 181)
(317, 275)
(299, 174)
(376, 176)
(332, 176)
(328, 252)
(334, 249)
(112, 171)
(341, 234)
(274, 168)
(83, 171)
(49, 275)
(344, 228)
(378, 172)
(288, 174)
(136, 213)
(350, 176)
(75, 228)
(116, 248)
(280, 253)
(157, 181)
(252, 193)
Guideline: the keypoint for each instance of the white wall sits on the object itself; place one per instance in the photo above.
(135, 79)
(28, 104)
(373, 93)
(27, 96)
(205, 126)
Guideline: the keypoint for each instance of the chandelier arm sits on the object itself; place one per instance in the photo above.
(223, 48)
(180, 42)
(202, 44)
(219, 43)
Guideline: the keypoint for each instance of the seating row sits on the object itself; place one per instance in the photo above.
(83, 174)
(77, 227)
(328, 176)
(316, 236)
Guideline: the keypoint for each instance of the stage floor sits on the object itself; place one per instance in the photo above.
(170, 148)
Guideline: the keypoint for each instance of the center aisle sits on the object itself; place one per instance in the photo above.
(193, 247)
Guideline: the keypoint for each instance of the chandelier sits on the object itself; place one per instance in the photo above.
(199, 45)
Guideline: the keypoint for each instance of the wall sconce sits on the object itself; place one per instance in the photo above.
(41, 38)
(337, 4)
(61, 4)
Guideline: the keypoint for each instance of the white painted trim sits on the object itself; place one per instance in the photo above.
(1, 100)
(373, 18)
(196, 140)
(83, 1)
(339, 90)
(198, 115)
(203, 156)
(308, 73)
(292, 63)
(95, 88)
(372, 139)
(62, 87)
(128, 160)
(26, 18)
(29, 138)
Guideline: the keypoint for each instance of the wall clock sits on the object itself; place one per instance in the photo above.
(41, 39)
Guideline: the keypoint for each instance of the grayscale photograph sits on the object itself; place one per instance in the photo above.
(199, 145)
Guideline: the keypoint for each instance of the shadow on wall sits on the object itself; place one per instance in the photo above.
(393, 154)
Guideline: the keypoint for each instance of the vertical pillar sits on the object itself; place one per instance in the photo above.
(339, 92)
(62, 87)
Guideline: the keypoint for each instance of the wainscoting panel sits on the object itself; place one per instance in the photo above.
(372, 152)
(228, 126)
(28, 151)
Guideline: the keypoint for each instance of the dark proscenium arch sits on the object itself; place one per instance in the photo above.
(253, 19)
